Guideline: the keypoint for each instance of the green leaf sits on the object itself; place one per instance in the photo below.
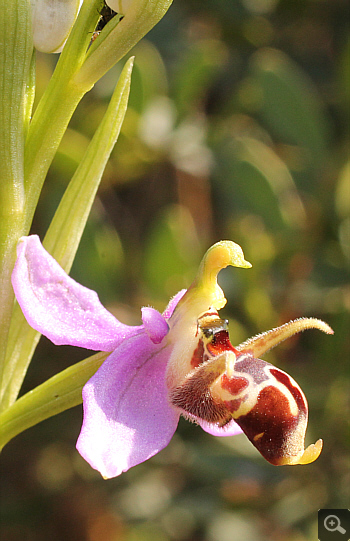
(67, 226)
(57, 394)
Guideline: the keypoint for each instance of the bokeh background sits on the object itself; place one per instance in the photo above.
(237, 129)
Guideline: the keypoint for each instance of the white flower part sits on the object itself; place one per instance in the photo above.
(52, 22)
(119, 6)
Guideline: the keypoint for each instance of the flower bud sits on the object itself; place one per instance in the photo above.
(52, 22)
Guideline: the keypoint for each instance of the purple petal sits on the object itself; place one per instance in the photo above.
(127, 416)
(231, 429)
(60, 308)
(154, 324)
(173, 303)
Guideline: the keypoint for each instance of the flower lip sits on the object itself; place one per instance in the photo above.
(231, 384)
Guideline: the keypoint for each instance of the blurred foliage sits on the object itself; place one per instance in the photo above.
(237, 128)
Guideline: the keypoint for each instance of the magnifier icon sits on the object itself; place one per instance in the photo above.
(332, 524)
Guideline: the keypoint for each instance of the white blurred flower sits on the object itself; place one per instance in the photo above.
(157, 123)
(189, 151)
(52, 22)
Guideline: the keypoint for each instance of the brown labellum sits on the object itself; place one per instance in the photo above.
(228, 383)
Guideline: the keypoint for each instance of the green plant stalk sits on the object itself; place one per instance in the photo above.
(15, 55)
(75, 74)
(66, 229)
(56, 108)
(61, 392)
(29, 95)
(22, 342)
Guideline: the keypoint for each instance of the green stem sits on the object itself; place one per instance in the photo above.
(22, 342)
(76, 72)
(57, 394)
(67, 226)
(15, 55)
(30, 95)
(66, 229)
(56, 107)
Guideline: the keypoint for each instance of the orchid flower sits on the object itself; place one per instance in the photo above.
(177, 363)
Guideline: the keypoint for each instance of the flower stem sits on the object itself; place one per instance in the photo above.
(56, 108)
(15, 56)
(64, 234)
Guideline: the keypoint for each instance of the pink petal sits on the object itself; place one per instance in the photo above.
(173, 303)
(127, 416)
(60, 308)
(231, 429)
(154, 324)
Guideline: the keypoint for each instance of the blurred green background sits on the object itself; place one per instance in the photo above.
(237, 129)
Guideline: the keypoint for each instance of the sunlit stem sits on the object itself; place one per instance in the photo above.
(80, 66)
(260, 344)
(15, 55)
(56, 108)
(66, 229)
(29, 95)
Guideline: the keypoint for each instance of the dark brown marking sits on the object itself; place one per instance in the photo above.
(193, 395)
(285, 380)
(271, 415)
(198, 355)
